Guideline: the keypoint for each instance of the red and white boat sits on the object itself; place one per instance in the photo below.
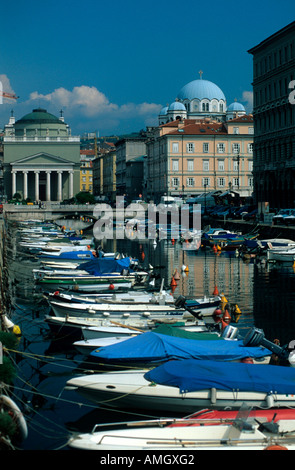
(272, 429)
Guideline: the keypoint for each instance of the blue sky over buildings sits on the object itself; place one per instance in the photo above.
(111, 66)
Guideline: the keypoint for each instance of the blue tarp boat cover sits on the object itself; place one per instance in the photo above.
(191, 375)
(100, 266)
(154, 347)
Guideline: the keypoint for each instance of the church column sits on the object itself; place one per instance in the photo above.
(48, 183)
(59, 187)
(36, 185)
(13, 182)
(25, 193)
(71, 183)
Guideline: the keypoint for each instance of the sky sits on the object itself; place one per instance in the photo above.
(111, 66)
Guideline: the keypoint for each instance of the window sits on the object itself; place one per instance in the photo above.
(220, 165)
(236, 148)
(221, 182)
(190, 148)
(220, 148)
(236, 181)
(205, 165)
(206, 182)
(190, 182)
(175, 182)
(250, 148)
(83, 187)
(84, 172)
(236, 130)
(235, 165)
(251, 130)
(175, 165)
(250, 163)
(250, 181)
(190, 165)
(84, 179)
(175, 147)
(206, 147)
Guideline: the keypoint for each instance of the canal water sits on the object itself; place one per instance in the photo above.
(264, 293)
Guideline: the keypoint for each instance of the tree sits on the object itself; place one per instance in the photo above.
(84, 197)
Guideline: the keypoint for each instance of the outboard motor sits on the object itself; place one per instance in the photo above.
(255, 337)
(180, 302)
(230, 332)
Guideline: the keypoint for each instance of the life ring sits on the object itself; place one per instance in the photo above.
(8, 405)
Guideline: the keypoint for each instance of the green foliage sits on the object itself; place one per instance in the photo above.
(84, 197)
(7, 425)
(8, 340)
(17, 196)
(7, 371)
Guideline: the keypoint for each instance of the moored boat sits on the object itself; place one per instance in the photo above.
(190, 385)
(204, 430)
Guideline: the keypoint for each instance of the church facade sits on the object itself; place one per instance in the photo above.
(41, 158)
(201, 145)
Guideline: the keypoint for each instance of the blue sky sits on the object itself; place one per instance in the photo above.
(111, 66)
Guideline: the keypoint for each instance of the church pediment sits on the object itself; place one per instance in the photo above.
(42, 159)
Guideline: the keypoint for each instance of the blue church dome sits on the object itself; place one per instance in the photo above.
(177, 106)
(163, 111)
(201, 89)
(236, 107)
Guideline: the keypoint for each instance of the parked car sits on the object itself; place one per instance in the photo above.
(251, 215)
(279, 218)
(289, 219)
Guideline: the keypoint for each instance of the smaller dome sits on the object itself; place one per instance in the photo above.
(163, 111)
(236, 107)
(177, 106)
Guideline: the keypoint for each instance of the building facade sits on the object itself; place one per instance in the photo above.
(41, 158)
(187, 157)
(128, 148)
(274, 120)
(86, 171)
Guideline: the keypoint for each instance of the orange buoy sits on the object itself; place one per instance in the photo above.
(173, 289)
(215, 292)
(214, 249)
(172, 241)
(176, 275)
(173, 282)
(226, 316)
(111, 287)
(217, 312)
(142, 255)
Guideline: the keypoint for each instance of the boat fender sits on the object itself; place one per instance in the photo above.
(16, 331)
(269, 401)
(247, 360)
(90, 310)
(111, 287)
(213, 395)
(217, 312)
(56, 292)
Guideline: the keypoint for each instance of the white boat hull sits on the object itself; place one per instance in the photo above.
(131, 390)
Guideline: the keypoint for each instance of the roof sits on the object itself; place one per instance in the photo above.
(192, 127)
(247, 118)
(236, 107)
(201, 89)
(39, 116)
(274, 36)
